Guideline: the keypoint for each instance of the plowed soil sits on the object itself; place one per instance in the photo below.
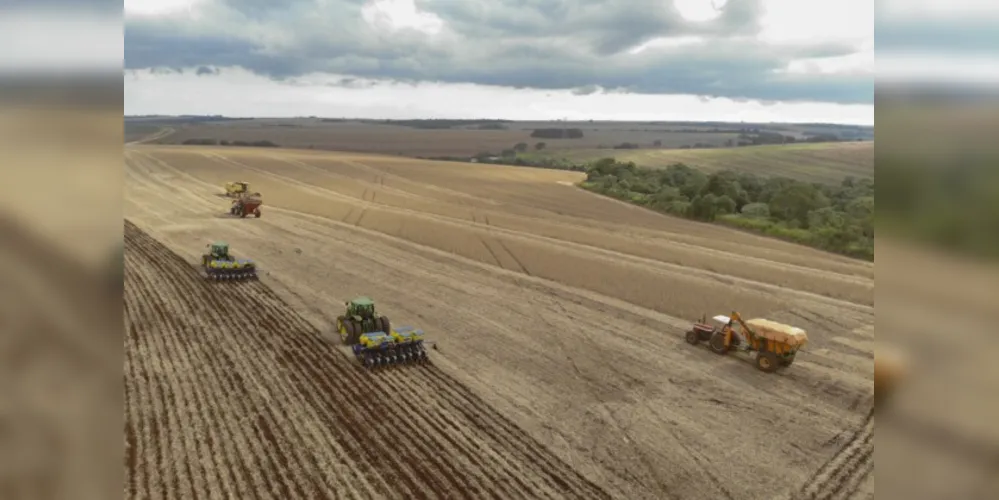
(559, 316)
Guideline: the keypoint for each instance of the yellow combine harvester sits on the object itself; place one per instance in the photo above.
(775, 344)
(236, 189)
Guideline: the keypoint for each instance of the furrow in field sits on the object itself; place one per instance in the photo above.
(365, 393)
(385, 449)
(507, 433)
(468, 470)
(229, 466)
(232, 340)
(170, 355)
(842, 474)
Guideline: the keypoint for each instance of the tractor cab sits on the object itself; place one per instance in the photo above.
(361, 308)
(219, 250)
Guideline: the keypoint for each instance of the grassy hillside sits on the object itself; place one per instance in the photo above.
(820, 162)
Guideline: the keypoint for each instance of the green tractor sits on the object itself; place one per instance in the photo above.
(220, 265)
(372, 339)
(359, 319)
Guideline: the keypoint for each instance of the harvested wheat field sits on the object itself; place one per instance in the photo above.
(559, 316)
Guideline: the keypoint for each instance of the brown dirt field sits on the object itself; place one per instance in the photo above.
(230, 375)
(562, 310)
(411, 141)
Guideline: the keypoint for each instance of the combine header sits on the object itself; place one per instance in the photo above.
(220, 265)
(372, 339)
(775, 344)
(236, 189)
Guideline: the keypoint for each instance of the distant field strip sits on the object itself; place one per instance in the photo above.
(827, 162)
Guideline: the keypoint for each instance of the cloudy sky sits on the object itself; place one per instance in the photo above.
(781, 60)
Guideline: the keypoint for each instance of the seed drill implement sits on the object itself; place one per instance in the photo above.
(221, 266)
(372, 339)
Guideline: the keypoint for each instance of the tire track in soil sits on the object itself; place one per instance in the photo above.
(333, 390)
(176, 405)
(218, 322)
(409, 479)
(506, 432)
(138, 312)
(841, 475)
(233, 475)
(208, 363)
(384, 429)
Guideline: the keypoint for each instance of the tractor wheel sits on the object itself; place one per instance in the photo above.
(717, 343)
(767, 361)
(242, 214)
(350, 333)
(256, 213)
(356, 329)
(341, 329)
(787, 361)
(692, 338)
(385, 326)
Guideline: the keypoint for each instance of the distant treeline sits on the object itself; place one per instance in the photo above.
(217, 142)
(431, 123)
(182, 119)
(510, 157)
(557, 133)
(834, 218)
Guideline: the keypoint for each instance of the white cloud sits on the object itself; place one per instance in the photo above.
(699, 10)
(393, 15)
(788, 21)
(241, 93)
(159, 7)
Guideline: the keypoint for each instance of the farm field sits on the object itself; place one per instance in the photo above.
(818, 162)
(559, 316)
(458, 140)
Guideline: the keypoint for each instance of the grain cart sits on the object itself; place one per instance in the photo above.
(372, 339)
(246, 205)
(775, 344)
(236, 189)
(220, 265)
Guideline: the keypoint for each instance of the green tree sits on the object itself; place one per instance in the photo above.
(520, 147)
(539, 146)
(756, 210)
(704, 207)
(724, 205)
(794, 202)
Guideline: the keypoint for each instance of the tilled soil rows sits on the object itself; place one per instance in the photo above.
(230, 393)
(563, 310)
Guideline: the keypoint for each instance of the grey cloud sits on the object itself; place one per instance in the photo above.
(586, 90)
(543, 44)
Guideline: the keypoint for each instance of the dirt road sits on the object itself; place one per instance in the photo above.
(562, 310)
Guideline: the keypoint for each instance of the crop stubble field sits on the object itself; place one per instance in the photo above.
(561, 310)
(826, 162)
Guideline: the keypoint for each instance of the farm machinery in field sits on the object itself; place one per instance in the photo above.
(220, 265)
(372, 339)
(774, 344)
(236, 189)
(247, 204)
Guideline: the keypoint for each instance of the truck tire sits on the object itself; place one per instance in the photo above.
(692, 337)
(717, 343)
(767, 361)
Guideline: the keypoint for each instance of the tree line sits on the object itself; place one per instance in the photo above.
(837, 218)
(217, 142)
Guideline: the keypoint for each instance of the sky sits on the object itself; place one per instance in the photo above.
(752, 60)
